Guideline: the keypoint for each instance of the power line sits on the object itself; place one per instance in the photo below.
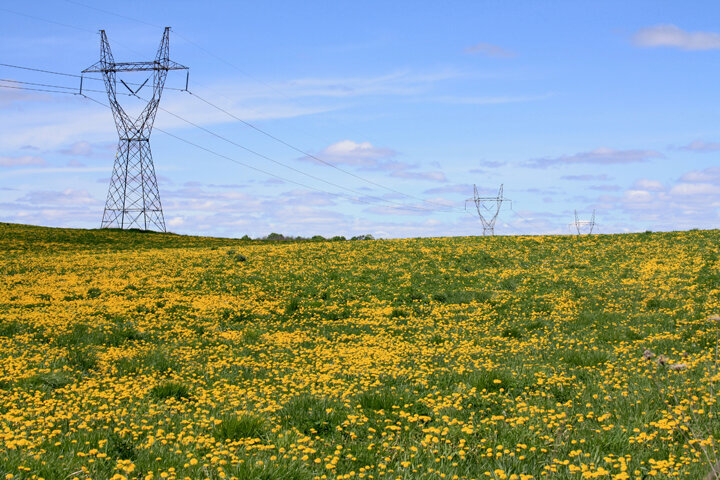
(491, 207)
(188, 40)
(265, 157)
(111, 13)
(41, 70)
(371, 182)
(517, 214)
(74, 27)
(248, 124)
(39, 90)
(36, 84)
(215, 106)
(133, 199)
(74, 89)
(45, 20)
(380, 199)
(310, 155)
(359, 200)
(20, 67)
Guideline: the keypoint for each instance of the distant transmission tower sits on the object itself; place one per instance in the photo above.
(584, 226)
(133, 199)
(488, 209)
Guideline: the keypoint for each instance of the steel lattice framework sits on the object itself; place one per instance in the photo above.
(133, 199)
(584, 225)
(490, 206)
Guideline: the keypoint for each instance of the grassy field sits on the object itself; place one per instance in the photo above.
(138, 355)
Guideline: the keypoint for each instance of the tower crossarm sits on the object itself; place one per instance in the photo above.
(134, 67)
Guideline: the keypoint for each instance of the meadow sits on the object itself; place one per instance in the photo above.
(141, 355)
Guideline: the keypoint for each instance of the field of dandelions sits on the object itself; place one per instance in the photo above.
(138, 355)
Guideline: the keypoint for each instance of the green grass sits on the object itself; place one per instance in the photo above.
(170, 389)
(389, 358)
(235, 427)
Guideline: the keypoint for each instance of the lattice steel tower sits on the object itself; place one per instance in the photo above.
(133, 199)
(490, 206)
(584, 225)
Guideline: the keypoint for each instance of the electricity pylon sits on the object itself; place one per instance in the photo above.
(490, 206)
(133, 199)
(582, 225)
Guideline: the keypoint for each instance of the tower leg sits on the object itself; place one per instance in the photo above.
(154, 218)
(133, 199)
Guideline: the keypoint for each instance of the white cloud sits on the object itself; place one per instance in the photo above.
(176, 222)
(489, 50)
(21, 161)
(651, 185)
(673, 36)
(638, 196)
(362, 154)
(688, 189)
(691, 202)
(365, 155)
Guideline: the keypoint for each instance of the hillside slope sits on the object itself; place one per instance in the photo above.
(136, 355)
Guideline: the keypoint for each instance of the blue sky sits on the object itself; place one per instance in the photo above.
(572, 105)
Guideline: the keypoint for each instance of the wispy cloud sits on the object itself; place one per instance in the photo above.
(491, 100)
(59, 198)
(9, 96)
(53, 122)
(54, 170)
(586, 177)
(84, 149)
(464, 188)
(692, 189)
(236, 92)
(708, 175)
(395, 83)
(21, 161)
(489, 50)
(433, 176)
(700, 146)
(605, 188)
(675, 37)
(600, 156)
